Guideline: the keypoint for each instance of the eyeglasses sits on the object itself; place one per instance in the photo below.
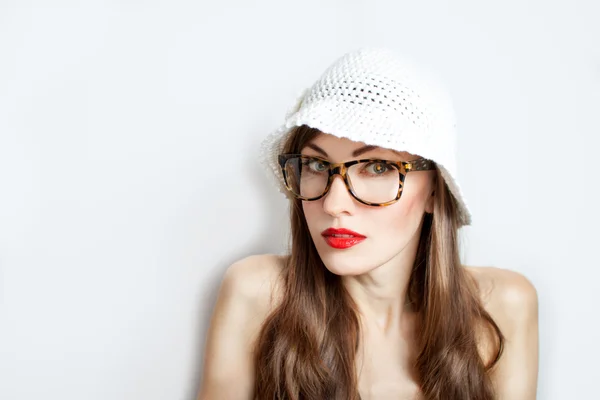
(371, 181)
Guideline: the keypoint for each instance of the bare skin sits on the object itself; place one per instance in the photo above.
(251, 289)
(376, 273)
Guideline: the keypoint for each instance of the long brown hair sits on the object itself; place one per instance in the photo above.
(307, 346)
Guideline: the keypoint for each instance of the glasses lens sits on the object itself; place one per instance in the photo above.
(306, 177)
(375, 181)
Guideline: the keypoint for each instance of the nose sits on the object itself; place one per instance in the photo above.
(338, 199)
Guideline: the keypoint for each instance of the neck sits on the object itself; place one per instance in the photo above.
(381, 294)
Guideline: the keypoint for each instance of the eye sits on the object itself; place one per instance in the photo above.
(377, 168)
(314, 164)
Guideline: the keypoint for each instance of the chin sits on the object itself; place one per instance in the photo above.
(348, 262)
(343, 270)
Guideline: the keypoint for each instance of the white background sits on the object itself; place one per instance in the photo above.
(129, 179)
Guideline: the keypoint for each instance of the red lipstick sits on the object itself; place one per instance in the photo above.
(342, 238)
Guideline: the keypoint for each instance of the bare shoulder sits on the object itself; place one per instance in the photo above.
(512, 302)
(250, 289)
(257, 279)
(507, 295)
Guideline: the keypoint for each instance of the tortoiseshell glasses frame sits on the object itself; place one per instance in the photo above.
(403, 167)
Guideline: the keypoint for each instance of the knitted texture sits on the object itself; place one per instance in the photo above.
(373, 96)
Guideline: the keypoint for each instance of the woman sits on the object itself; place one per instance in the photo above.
(372, 302)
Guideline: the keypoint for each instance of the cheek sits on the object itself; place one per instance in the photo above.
(395, 225)
(310, 209)
(313, 213)
(397, 220)
(412, 205)
(414, 200)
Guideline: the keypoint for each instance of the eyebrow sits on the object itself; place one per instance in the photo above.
(355, 153)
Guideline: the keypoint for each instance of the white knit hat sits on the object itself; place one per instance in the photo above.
(373, 96)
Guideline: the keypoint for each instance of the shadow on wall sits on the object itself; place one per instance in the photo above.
(267, 240)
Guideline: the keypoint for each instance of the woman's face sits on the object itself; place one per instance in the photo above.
(388, 229)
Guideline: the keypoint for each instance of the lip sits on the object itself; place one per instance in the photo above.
(352, 238)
